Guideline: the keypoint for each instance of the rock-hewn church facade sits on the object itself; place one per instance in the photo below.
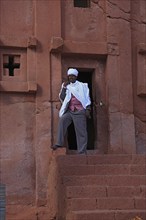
(39, 40)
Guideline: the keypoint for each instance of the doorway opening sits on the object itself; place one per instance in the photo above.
(84, 76)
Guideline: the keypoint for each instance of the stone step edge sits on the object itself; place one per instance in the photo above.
(106, 186)
(137, 213)
(107, 211)
(62, 166)
(105, 169)
(104, 175)
(134, 212)
(107, 197)
(104, 180)
(134, 159)
(105, 191)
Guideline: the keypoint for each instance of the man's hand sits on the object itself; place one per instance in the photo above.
(88, 111)
(88, 115)
(65, 84)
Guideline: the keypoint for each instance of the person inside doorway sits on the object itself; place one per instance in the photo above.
(76, 108)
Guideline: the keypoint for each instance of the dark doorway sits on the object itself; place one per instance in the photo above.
(86, 77)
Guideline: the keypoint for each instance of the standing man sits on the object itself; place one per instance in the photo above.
(75, 108)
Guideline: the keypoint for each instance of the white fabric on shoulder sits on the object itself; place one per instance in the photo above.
(80, 91)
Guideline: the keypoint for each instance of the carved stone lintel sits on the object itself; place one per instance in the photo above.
(26, 87)
(58, 45)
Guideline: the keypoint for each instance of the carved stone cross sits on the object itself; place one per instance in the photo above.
(11, 65)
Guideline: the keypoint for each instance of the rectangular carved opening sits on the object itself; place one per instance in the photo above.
(85, 77)
(82, 3)
(92, 71)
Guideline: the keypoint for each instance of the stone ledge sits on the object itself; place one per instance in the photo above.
(9, 41)
(141, 90)
(73, 47)
(56, 44)
(141, 48)
(18, 86)
(92, 48)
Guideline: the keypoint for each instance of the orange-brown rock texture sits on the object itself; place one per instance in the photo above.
(106, 41)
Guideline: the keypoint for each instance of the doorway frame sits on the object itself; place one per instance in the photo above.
(96, 65)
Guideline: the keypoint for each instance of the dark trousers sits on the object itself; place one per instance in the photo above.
(80, 125)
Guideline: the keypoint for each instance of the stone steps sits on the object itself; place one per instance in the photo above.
(103, 187)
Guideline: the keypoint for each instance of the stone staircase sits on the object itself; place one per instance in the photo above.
(102, 187)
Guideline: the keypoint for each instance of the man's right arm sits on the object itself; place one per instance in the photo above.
(62, 94)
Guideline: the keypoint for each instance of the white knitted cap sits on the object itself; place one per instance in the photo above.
(72, 71)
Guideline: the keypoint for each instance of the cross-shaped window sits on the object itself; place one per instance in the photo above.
(11, 65)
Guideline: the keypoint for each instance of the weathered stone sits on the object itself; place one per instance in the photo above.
(106, 43)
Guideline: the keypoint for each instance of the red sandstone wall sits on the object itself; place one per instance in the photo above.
(29, 102)
(82, 24)
(119, 77)
(17, 109)
(138, 25)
